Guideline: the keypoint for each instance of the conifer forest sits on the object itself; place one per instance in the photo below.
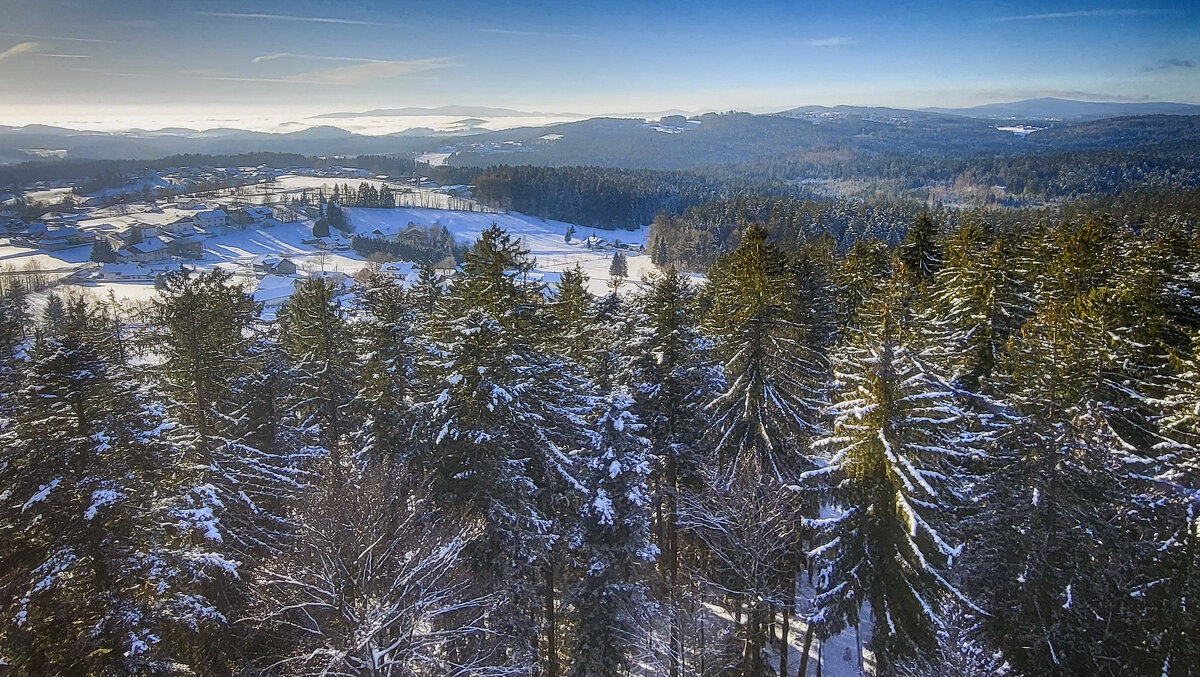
(964, 448)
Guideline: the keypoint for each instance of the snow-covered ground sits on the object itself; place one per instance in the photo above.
(545, 239)
(406, 194)
(235, 250)
(435, 159)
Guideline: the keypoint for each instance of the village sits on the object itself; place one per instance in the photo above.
(257, 223)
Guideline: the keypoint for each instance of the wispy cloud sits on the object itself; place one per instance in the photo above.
(1171, 64)
(66, 56)
(358, 73)
(831, 42)
(52, 37)
(295, 17)
(114, 74)
(19, 48)
(1079, 14)
(535, 34)
(314, 57)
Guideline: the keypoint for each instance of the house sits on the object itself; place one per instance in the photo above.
(336, 276)
(150, 249)
(185, 244)
(274, 265)
(211, 219)
(179, 226)
(136, 233)
(52, 238)
(594, 242)
(333, 243)
(402, 271)
(251, 216)
(13, 227)
(124, 272)
(274, 290)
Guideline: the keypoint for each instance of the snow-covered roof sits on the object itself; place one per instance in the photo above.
(398, 268)
(274, 288)
(258, 212)
(213, 214)
(147, 246)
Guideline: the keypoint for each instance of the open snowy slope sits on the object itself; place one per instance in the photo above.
(545, 238)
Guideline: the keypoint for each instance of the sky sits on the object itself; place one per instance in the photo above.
(160, 60)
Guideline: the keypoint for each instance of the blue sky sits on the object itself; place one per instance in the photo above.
(593, 57)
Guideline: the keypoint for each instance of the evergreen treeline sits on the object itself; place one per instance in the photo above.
(697, 237)
(593, 196)
(976, 450)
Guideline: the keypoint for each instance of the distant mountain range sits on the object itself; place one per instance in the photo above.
(628, 141)
(1067, 109)
(450, 111)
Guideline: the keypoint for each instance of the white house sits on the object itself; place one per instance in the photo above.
(274, 290)
(211, 219)
(401, 271)
(150, 249)
(124, 272)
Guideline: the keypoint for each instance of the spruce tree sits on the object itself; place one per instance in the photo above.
(762, 424)
(570, 311)
(903, 440)
(319, 343)
(503, 429)
(619, 268)
(674, 374)
(388, 341)
(978, 301)
(204, 327)
(610, 602)
(920, 254)
(106, 572)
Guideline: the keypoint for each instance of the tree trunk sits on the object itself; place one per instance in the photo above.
(551, 623)
(784, 649)
(859, 645)
(808, 638)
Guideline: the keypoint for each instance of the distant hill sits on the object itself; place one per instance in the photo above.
(452, 111)
(1066, 109)
(710, 139)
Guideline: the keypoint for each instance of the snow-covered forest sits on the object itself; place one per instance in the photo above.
(974, 453)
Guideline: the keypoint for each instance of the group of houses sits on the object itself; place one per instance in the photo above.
(47, 236)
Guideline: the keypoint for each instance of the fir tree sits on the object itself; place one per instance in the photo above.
(503, 429)
(920, 254)
(610, 603)
(103, 574)
(319, 343)
(762, 424)
(901, 443)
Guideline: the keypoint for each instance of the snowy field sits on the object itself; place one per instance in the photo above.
(418, 197)
(545, 239)
(236, 249)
